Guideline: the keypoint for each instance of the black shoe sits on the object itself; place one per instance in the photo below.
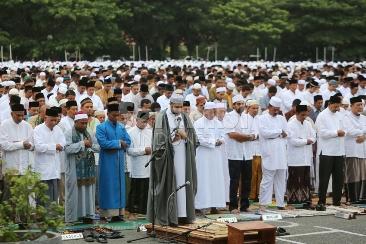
(320, 207)
(117, 219)
(281, 208)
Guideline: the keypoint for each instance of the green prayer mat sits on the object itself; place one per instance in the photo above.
(126, 225)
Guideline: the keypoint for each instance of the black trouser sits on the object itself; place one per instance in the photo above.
(239, 168)
(331, 165)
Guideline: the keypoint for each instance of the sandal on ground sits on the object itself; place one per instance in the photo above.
(100, 238)
(88, 236)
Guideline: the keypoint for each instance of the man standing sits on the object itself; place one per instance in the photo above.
(140, 153)
(175, 138)
(164, 100)
(210, 177)
(90, 93)
(272, 139)
(318, 107)
(106, 92)
(49, 142)
(355, 165)
(80, 173)
(113, 140)
(331, 151)
(239, 169)
(16, 142)
(300, 157)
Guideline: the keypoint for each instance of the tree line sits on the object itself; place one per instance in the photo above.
(160, 29)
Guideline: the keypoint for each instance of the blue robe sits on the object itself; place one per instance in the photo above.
(112, 188)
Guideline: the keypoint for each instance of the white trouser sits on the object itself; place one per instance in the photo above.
(272, 179)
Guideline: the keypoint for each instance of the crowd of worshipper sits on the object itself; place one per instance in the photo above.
(237, 132)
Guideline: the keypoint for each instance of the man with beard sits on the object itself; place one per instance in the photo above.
(272, 138)
(175, 140)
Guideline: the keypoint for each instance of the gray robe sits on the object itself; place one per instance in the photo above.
(162, 168)
(79, 200)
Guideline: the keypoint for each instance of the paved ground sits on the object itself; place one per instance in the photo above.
(312, 230)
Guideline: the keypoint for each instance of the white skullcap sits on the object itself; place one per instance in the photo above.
(62, 89)
(345, 101)
(271, 82)
(275, 78)
(63, 101)
(42, 74)
(197, 86)
(93, 74)
(137, 78)
(238, 98)
(301, 82)
(230, 86)
(14, 91)
(60, 79)
(179, 91)
(228, 79)
(251, 102)
(97, 113)
(275, 102)
(119, 72)
(220, 105)
(210, 105)
(220, 89)
(176, 98)
(80, 116)
(305, 103)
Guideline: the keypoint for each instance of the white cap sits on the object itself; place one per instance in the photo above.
(275, 78)
(238, 98)
(176, 98)
(197, 86)
(304, 103)
(301, 82)
(220, 105)
(14, 91)
(271, 82)
(345, 101)
(63, 101)
(137, 78)
(80, 116)
(62, 89)
(275, 102)
(230, 86)
(251, 102)
(42, 74)
(159, 82)
(220, 89)
(210, 105)
(59, 79)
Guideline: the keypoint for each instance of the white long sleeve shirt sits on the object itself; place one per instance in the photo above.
(327, 125)
(298, 152)
(140, 139)
(233, 122)
(47, 159)
(356, 126)
(272, 144)
(250, 127)
(12, 136)
(97, 102)
(163, 101)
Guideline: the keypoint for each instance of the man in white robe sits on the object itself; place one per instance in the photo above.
(272, 139)
(49, 142)
(210, 177)
(16, 143)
